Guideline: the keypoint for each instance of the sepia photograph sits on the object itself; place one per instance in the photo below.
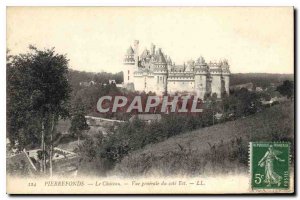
(150, 100)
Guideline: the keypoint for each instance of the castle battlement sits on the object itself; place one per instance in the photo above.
(154, 71)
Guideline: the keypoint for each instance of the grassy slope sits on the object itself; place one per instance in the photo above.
(220, 148)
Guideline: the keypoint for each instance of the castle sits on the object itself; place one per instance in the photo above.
(154, 71)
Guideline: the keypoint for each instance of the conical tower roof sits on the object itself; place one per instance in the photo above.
(129, 51)
(161, 57)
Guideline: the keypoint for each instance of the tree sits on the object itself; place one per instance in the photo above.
(247, 102)
(229, 105)
(37, 96)
(286, 89)
(213, 105)
(78, 123)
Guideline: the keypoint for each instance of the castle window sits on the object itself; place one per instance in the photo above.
(128, 77)
(128, 71)
(157, 79)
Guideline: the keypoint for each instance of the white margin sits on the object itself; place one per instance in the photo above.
(4, 3)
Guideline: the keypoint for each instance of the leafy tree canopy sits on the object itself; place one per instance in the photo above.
(37, 86)
(286, 89)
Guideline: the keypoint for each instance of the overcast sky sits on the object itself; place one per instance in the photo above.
(95, 39)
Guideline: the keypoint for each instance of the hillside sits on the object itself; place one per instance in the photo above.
(216, 149)
(259, 79)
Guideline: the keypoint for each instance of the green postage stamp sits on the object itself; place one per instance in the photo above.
(270, 165)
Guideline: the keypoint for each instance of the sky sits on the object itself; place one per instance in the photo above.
(95, 39)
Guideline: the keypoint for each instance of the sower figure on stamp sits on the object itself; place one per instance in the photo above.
(271, 177)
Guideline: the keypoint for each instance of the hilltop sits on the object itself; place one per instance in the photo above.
(259, 79)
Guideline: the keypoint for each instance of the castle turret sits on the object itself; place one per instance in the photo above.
(160, 72)
(136, 52)
(169, 64)
(152, 49)
(225, 76)
(190, 66)
(216, 78)
(201, 72)
(129, 66)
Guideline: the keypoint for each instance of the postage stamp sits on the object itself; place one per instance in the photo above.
(269, 165)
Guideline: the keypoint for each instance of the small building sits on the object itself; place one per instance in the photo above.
(28, 163)
(87, 84)
(20, 164)
(259, 89)
(248, 86)
(266, 103)
(146, 117)
(218, 116)
(112, 81)
(119, 85)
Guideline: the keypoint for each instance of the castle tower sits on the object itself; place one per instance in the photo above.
(129, 67)
(136, 52)
(160, 73)
(216, 79)
(152, 49)
(225, 76)
(190, 66)
(169, 64)
(201, 71)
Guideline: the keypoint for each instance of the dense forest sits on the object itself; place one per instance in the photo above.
(258, 79)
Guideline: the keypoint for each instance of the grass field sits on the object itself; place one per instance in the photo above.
(222, 148)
